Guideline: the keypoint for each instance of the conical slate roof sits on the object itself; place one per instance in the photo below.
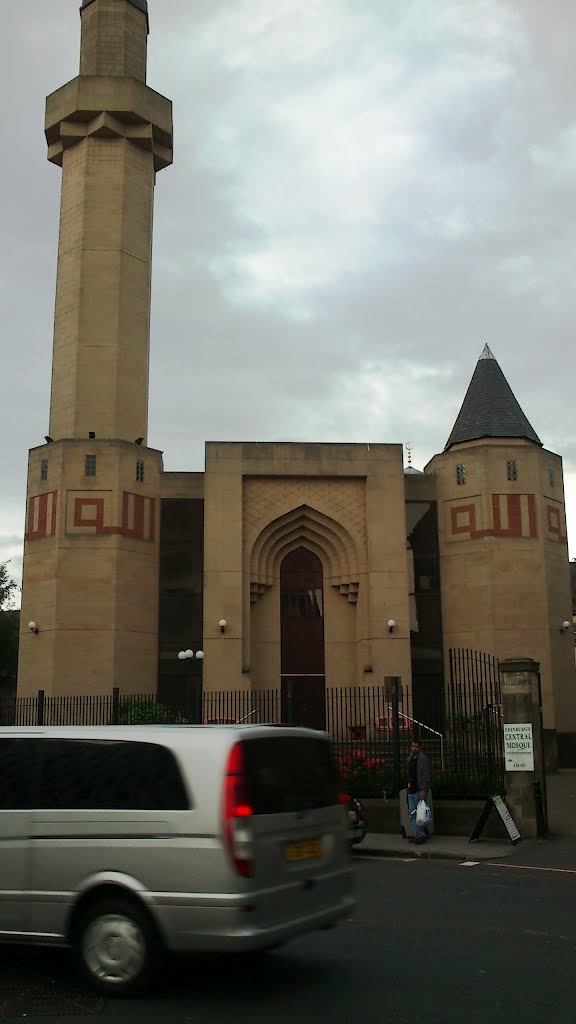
(489, 408)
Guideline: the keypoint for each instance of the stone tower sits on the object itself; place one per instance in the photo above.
(502, 539)
(91, 550)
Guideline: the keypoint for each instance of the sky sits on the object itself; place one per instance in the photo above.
(364, 193)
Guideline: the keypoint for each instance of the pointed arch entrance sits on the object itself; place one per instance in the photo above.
(302, 638)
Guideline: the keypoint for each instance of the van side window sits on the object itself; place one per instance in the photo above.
(109, 775)
(16, 774)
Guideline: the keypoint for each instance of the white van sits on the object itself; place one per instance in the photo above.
(125, 842)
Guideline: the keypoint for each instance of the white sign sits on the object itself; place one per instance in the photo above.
(507, 818)
(519, 747)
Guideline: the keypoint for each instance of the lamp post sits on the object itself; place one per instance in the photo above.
(190, 689)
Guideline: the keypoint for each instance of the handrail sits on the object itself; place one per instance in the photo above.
(428, 728)
(249, 715)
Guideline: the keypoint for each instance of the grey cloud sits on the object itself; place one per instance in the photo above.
(441, 222)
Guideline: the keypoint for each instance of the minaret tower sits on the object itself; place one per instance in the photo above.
(91, 551)
(503, 551)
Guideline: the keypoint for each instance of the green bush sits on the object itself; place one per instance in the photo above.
(150, 712)
(463, 784)
(368, 775)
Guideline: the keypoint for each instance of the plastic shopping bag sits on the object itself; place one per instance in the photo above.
(423, 813)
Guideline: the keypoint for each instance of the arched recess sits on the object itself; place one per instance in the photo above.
(343, 564)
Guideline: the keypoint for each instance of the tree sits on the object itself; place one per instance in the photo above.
(9, 631)
(8, 587)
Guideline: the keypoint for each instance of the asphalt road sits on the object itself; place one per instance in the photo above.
(431, 941)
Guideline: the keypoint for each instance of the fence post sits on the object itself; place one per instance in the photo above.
(40, 708)
(115, 705)
(393, 684)
(542, 789)
(289, 703)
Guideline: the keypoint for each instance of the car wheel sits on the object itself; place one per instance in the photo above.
(117, 947)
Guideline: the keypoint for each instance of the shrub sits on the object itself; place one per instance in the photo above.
(150, 712)
(365, 774)
(463, 784)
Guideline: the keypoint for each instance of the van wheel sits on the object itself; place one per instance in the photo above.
(117, 947)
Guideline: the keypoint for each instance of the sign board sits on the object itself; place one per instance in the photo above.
(518, 747)
(508, 820)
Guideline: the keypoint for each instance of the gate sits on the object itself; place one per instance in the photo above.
(474, 716)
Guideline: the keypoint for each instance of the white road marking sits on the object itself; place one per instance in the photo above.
(526, 867)
(469, 863)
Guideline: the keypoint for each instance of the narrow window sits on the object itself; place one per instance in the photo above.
(460, 474)
(512, 469)
(90, 465)
(551, 476)
(140, 471)
(44, 469)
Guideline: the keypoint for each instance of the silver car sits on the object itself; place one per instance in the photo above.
(127, 842)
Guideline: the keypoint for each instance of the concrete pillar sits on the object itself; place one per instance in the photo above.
(521, 705)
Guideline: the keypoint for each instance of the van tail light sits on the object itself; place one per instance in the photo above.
(343, 798)
(237, 812)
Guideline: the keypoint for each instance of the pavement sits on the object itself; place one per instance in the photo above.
(556, 852)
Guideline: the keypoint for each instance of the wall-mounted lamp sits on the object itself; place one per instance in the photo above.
(565, 626)
(33, 628)
(391, 625)
(222, 623)
(184, 655)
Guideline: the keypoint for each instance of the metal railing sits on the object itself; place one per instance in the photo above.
(371, 727)
(427, 728)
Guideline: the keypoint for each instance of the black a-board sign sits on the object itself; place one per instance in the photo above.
(509, 823)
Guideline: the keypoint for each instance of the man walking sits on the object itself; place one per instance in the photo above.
(418, 786)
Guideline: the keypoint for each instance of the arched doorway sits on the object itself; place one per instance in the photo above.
(302, 638)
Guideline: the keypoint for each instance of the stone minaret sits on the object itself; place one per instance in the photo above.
(91, 550)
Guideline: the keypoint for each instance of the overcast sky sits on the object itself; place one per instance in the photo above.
(364, 193)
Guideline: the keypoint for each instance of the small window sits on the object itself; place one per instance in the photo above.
(512, 469)
(44, 469)
(551, 476)
(140, 471)
(460, 474)
(90, 465)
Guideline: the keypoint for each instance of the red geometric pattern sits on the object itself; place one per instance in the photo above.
(555, 524)
(138, 516)
(41, 517)
(513, 515)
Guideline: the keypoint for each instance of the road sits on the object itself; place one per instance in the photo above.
(431, 941)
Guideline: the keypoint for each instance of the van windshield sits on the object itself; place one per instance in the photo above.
(289, 773)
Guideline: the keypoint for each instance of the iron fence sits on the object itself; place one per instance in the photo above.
(371, 727)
